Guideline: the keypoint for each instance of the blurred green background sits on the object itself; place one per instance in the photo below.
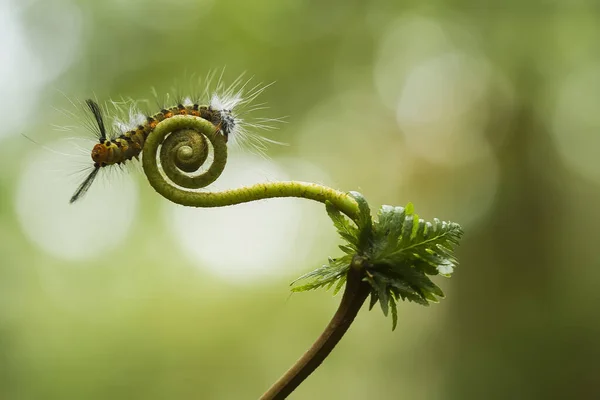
(484, 115)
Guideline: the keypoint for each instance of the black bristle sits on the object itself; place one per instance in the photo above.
(97, 113)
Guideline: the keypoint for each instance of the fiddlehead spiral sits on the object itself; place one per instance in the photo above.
(178, 156)
(185, 149)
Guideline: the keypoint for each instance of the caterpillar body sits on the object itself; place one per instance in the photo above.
(127, 143)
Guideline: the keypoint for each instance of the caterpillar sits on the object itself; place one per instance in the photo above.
(126, 142)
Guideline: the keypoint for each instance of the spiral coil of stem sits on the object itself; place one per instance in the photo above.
(183, 142)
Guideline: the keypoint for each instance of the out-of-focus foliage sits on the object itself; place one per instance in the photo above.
(486, 115)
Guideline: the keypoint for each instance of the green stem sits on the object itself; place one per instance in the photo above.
(340, 200)
(355, 294)
(183, 148)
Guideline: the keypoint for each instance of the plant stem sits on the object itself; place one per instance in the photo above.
(342, 201)
(184, 142)
(355, 294)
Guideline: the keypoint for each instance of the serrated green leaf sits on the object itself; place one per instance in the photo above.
(418, 228)
(307, 287)
(347, 249)
(407, 228)
(430, 297)
(343, 226)
(340, 284)
(417, 298)
(364, 218)
(389, 221)
(436, 225)
(387, 230)
(373, 299)
(394, 308)
(365, 223)
(426, 266)
(384, 299)
(400, 252)
(427, 230)
(446, 269)
(324, 277)
(311, 274)
(415, 227)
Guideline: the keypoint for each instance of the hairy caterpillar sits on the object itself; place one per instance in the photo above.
(125, 141)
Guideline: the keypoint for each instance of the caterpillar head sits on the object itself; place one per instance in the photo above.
(100, 153)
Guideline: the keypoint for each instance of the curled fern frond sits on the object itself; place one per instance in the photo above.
(397, 253)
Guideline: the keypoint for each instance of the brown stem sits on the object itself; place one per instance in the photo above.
(355, 294)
